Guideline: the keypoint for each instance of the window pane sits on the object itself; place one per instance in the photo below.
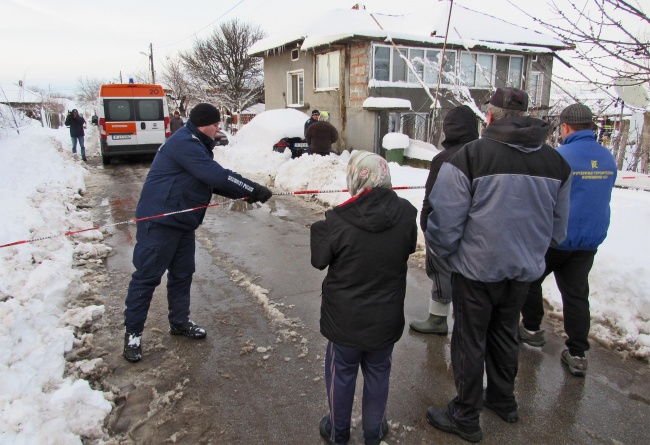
(502, 71)
(450, 65)
(516, 66)
(334, 69)
(467, 69)
(149, 110)
(399, 66)
(431, 67)
(118, 110)
(296, 89)
(322, 73)
(484, 75)
(382, 63)
(416, 57)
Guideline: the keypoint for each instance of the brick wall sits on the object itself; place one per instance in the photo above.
(359, 74)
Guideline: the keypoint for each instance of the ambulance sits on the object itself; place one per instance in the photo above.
(133, 119)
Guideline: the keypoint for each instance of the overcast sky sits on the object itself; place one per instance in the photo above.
(103, 40)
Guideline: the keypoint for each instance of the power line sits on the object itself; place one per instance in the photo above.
(208, 25)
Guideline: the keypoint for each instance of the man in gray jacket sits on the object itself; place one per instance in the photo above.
(497, 205)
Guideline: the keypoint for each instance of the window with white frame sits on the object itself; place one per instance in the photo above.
(389, 65)
(482, 70)
(296, 88)
(327, 70)
(476, 69)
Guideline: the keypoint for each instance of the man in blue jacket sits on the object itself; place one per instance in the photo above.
(183, 176)
(594, 174)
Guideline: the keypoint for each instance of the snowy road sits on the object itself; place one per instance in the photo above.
(257, 378)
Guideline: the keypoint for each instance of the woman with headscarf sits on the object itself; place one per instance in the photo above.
(366, 243)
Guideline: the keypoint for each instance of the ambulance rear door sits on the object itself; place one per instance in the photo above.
(150, 114)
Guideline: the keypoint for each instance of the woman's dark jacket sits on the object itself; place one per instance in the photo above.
(184, 175)
(366, 242)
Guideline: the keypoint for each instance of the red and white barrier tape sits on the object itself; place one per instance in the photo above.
(135, 220)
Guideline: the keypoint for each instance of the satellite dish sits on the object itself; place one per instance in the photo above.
(632, 92)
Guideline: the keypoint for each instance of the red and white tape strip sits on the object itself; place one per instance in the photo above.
(132, 221)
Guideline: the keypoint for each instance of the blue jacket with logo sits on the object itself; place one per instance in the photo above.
(184, 175)
(594, 173)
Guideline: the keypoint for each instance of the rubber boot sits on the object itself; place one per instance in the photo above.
(435, 324)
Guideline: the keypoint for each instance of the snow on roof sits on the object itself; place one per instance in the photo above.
(426, 25)
(254, 109)
(12, 93)
(387, 103)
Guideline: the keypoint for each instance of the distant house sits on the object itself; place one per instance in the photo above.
(32, 104)
(248, 114)
(345, 59)
(22, 99)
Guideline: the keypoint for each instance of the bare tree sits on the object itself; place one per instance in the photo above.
(608, 35)
(88, 90)
(175, 77)
(221, 68)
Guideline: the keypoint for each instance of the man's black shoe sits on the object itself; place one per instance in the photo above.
(188, 329)
(510, 417)
(439, 418)
(132, 347)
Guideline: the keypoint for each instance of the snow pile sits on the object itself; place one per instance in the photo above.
(38, 403)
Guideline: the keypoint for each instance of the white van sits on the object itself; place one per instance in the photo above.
(133, 119)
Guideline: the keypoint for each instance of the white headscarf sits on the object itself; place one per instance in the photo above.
(366, 171)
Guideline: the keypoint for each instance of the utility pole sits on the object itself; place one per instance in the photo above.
(150, 55)
(153, 73)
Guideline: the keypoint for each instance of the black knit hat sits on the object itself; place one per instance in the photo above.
(576, 114)
(204, 114)
(509, 99)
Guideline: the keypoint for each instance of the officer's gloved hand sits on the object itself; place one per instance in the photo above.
(260, 194)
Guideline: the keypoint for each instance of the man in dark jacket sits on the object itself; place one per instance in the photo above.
(175, 123)
(366, 243)
(183, 176)
(497, 206)
(321, 135)
(77, 124)
(315, 114)
(594, 175)
(460, 127)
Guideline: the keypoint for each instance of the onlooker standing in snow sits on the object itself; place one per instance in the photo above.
(460, 127)
(175, 122)
(183, 176)
(366, 242)
(497, 205)
(315, 114)
(594, 175)
(321, 135)
(77, 124)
